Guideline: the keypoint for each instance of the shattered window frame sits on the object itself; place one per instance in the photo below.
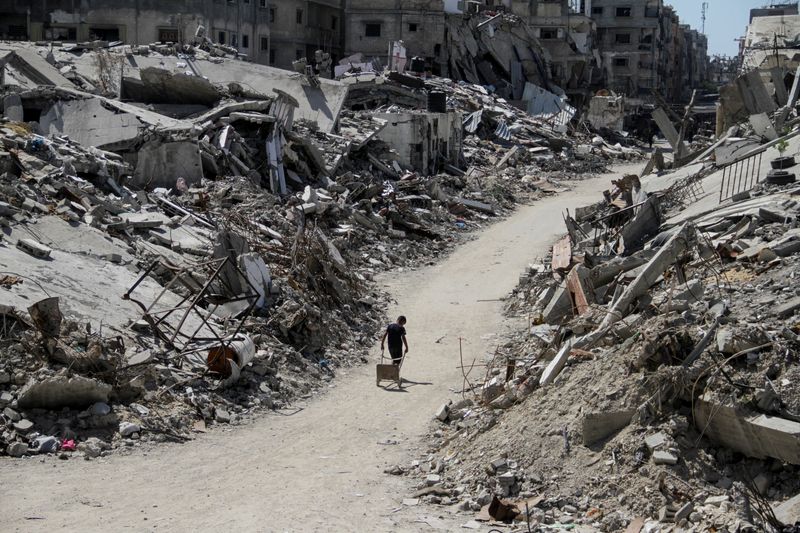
(412, 26)
(298, 16)
(623, 12)
(245, 40)
(370, 27)
(273, 13)
(597, 10)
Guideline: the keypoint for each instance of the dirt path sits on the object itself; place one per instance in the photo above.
(322, 468)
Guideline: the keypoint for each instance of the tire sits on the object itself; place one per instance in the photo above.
(780, 177)
(783, 162)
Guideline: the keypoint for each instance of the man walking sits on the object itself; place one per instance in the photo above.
(396, 333)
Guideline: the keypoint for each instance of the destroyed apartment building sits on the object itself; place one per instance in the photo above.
(189, 239)
(274, 32)
(654, 384)
(581, 47)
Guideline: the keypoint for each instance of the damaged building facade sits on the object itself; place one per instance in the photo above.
(631, 48)
(373, 25)
(771, 46)
(274, 32)
(644, 48)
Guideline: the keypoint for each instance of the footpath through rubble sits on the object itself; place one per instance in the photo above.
(180, 249)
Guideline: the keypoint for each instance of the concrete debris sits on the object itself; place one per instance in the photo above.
(213, 229)
(61, 391)
(656, 376)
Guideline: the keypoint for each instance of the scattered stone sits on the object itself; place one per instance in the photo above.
(433, 479)
(716, 501)
(11, 414)
(17, 449)
(655, 440)
(127, 429)
(23, 425)
(100, 409)
(663, 457)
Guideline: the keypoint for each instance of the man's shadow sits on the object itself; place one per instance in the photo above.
(404, 385)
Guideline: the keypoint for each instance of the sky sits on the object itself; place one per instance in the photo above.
(726, 20)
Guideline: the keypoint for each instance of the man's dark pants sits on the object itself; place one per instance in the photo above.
(397, 354)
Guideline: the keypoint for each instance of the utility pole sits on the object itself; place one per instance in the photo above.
(704, 12)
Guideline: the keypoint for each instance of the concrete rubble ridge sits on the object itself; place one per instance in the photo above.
(190, 239)
(656, 384)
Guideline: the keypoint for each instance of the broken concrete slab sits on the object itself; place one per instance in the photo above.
(160, 86)
(321, 104)
(788, 512)
(559, 306)
(754, 435)
(600, 425)
(763, 127)
(89, 123)
(62, 391)
(787, 309)
(37, 69)
(753, 92)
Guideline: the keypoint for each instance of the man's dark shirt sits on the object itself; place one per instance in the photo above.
(395, 337)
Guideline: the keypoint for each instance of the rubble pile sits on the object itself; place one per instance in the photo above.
(655, 384)
(180, 249)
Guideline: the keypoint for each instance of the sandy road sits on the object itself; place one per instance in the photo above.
(322, 468)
